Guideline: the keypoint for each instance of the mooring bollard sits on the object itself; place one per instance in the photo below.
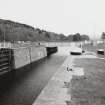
(69, 69)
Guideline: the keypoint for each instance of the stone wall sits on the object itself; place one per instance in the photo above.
(27, 55)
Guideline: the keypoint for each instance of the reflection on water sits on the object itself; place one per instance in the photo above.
(21, 87)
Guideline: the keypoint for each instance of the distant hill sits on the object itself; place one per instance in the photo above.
(14, 31)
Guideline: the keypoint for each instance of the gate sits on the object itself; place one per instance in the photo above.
(6, 60)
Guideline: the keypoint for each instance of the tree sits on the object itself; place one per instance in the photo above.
(77, 37)
(2, 33)
(47, 35)
(84, 37)
(62, 37)
(103, 37)
(70, 37)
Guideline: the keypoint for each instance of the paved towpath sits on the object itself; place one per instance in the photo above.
(56, 91)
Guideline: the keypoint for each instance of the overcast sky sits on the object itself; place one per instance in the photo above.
(61, 16)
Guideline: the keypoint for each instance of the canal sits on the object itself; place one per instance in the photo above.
(22, 86)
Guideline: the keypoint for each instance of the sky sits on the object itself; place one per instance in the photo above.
(60, 16)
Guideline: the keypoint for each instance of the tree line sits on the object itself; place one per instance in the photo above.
(14, 31)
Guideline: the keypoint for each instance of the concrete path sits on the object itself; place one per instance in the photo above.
(56, 91)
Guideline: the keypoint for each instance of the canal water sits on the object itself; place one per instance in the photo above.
(22, 86)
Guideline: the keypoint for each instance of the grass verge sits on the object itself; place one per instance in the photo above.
(90, 88)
